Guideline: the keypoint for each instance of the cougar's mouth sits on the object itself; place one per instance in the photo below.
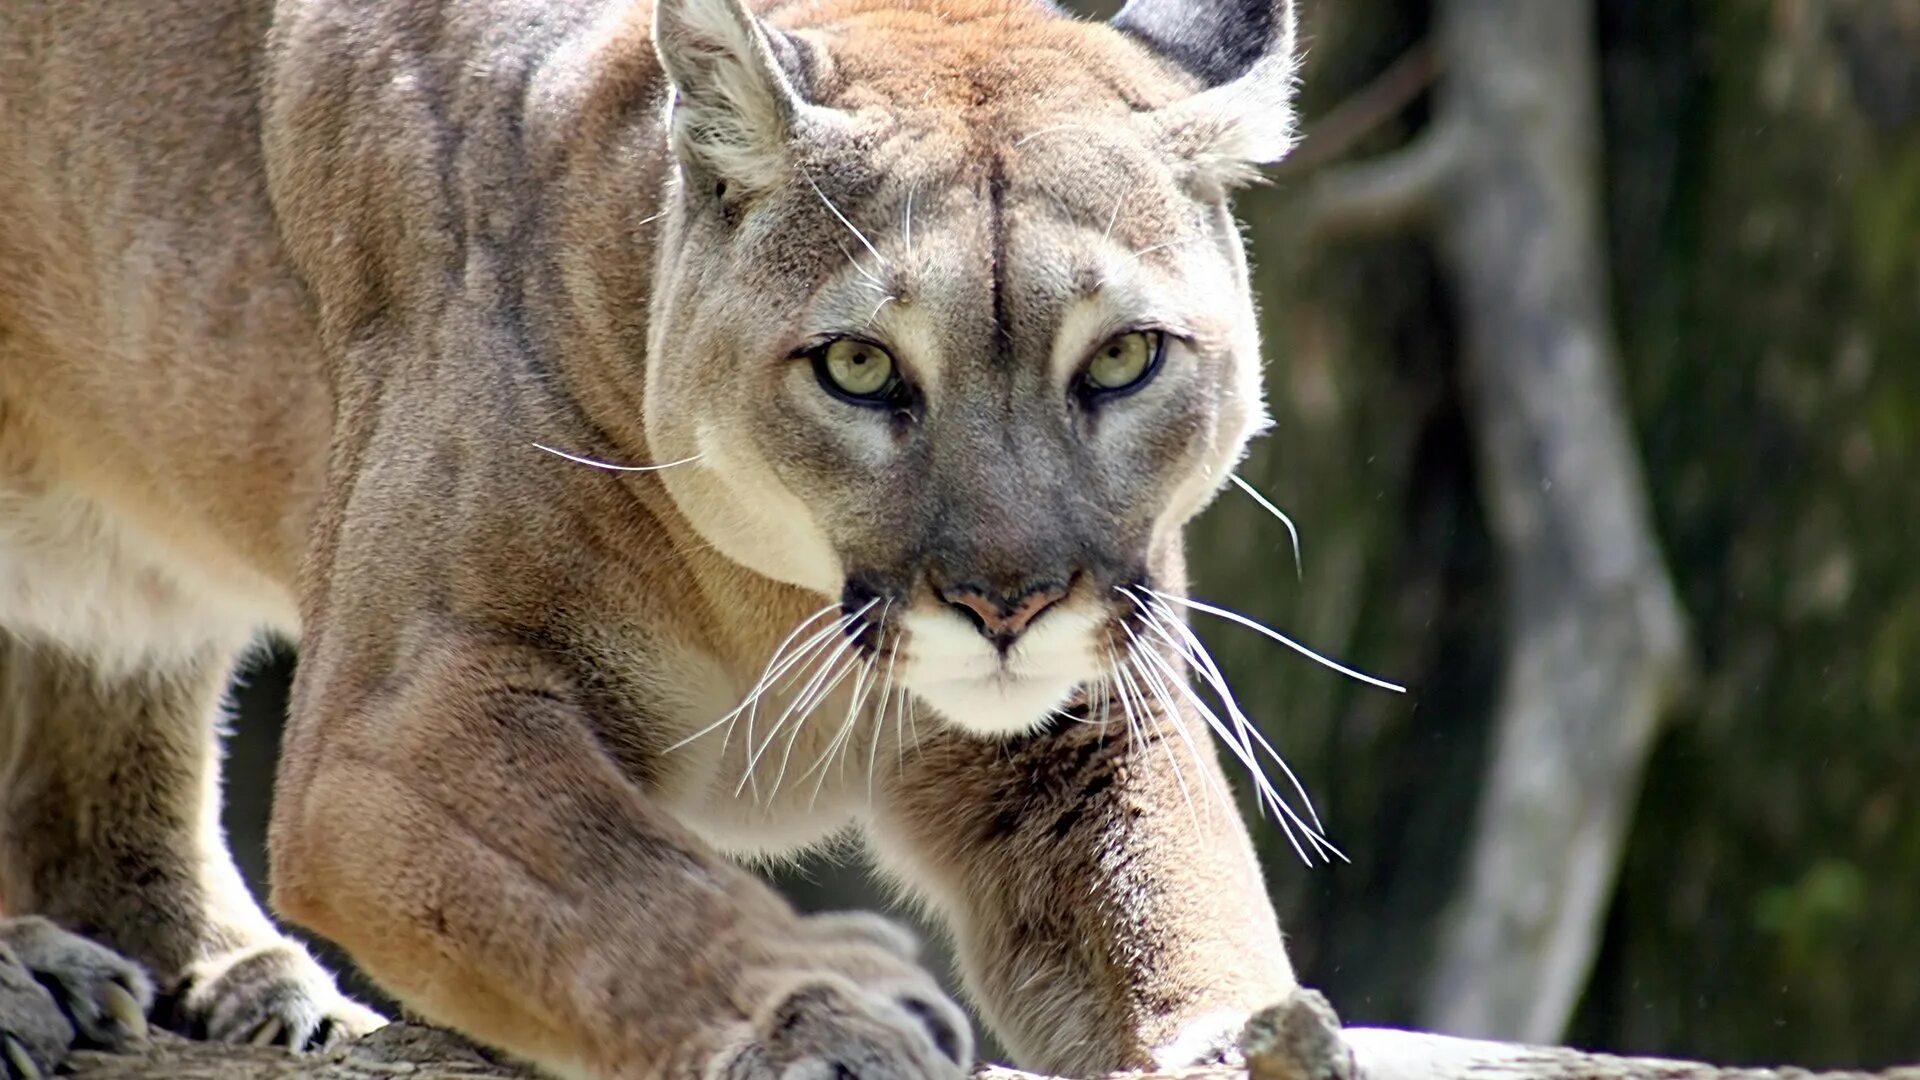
(989, 688)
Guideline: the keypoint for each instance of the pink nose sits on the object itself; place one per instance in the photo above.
(999, 618)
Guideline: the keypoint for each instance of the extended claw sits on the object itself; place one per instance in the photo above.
(120, 1003)
(268, 1033)
(20, 1064)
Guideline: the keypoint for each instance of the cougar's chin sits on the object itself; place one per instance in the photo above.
(976, 687)
(998, 705)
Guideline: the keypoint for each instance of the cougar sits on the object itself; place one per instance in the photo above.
(676, 434)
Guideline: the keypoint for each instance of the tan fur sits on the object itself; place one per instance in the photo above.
(285, 304)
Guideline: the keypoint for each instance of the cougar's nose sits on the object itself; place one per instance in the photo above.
(999, 617)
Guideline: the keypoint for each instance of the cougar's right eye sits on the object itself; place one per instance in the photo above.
(1123, 364)
(857, 371)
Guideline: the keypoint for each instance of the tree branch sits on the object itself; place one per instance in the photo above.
(409, 1050)
(1332, 135)
(1595, 636)
(1390, 193)
(1300, 1039)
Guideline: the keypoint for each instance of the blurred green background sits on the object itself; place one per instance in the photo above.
(1757, 186)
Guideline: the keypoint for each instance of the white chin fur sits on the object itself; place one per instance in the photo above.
(964, 678)
(998, 707)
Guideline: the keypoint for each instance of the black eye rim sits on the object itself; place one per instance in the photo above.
(894, 394)
(1090, 394)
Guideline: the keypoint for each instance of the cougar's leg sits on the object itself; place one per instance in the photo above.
(110, 829)
(468, 837)
(1105, 902)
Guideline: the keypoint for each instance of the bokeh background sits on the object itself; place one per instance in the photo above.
(1593, 340)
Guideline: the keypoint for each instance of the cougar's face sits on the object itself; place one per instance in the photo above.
(969, 383)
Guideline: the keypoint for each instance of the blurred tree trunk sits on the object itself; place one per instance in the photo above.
(1593, 628)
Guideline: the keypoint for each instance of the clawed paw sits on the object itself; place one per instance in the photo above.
(269, 995)
(845, 999)
(1213, 1039)
(827, 1028)
(58, 989)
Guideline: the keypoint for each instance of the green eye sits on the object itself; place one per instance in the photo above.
(1124, 362)
(857, 369)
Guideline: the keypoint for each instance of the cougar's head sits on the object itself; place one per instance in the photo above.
(954, 314)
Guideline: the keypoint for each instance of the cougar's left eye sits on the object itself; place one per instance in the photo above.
(857, 371)
(1123, 363)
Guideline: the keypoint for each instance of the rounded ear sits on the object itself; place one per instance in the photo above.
(735, 107)
(1242, 51)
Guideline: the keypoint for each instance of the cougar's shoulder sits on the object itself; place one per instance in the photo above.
(163, 415)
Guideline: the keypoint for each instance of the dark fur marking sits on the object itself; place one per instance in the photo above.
(1095, 787)
(448, 137)
(996, 222)
(1217, 40)
(1004, 824)
(798, 62)
(945, 1038)
(508, 223)
(1055, 767)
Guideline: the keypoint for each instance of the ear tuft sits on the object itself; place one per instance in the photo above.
(1242, 51)
(735, 106)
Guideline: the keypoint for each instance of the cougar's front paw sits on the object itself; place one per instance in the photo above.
(1213, 1039)
(824, 1027)
(273, 994)
(56, 988)
(847, 1001)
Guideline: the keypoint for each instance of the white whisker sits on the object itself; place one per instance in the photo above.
(1136, 256)
(868, 244)
(1151, 248)
(880, 718)
(836, 746)
(1060, 714)
(1291, 824)
(610, 467)
(1236, 617)
(1124, 692)
(1114, 218)
(840, 667)
(1242, 746)
(815, 692)
(900, 708)
(816, 646)
(1166, 702)
(1032, 135)
(884, 301)
(1105, 689)
(1159, 618)
(906, 235)
(912, 717)
(1298, 571)
(795, 666)
(759, 687)
(803, 660)
(1166, 696)
(857, 700)
(1196, 652)
(867, 279)
(797, 674)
